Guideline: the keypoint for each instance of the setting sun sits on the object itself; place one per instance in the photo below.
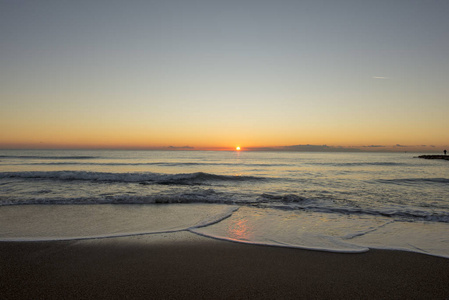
(237, 148)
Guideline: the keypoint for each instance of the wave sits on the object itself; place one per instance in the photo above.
(48, 157)
(339, 246)
(166, 164)
(200, 177)
(211, 220)
(207, 197)
(412, 181)
(360, 164)
(143, 178)
(403, 215)
(288, 202)
(198, 195)
(295, 202)
(286, 198)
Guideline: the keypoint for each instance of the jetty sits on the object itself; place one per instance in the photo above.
(445, 157)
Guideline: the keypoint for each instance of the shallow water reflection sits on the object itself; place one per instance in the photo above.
(240, 229)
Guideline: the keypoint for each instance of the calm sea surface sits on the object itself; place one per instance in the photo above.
(344, 202)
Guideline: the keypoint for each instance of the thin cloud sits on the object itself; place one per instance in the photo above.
(306, 148)
(180, 148)
(374, 146)
(380, 77)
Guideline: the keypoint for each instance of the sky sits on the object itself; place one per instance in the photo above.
(197, 74)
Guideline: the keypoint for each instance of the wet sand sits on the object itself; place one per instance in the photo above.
(186, 266)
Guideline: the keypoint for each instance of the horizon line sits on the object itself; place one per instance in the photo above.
(354, 149)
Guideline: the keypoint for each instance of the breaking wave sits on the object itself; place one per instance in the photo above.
(143, 178)
(360, 164)
(47, 157)
(164, 164)
(287, 202)
(411, 181)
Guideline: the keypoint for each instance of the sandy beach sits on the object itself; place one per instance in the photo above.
(186, 266)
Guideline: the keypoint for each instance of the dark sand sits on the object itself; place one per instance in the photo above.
(201, 268)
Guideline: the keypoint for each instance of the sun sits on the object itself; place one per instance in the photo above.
(237, 148)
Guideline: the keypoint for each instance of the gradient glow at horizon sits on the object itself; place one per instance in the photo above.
(217, 74)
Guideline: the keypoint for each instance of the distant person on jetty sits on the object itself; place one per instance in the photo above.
(445, 152)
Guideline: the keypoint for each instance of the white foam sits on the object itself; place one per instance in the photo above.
(310, 230)
(216, 218)
(329, 231)
(422, 237)
(293, 229)
(75, 222)
(333, 245)
(126, 177)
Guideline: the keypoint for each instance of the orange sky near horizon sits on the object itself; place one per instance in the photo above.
(122, 137)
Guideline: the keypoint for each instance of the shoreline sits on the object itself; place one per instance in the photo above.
(185, 266)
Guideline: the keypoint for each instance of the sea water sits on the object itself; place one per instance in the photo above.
(342, 202)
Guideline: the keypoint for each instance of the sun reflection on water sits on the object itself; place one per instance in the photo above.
(240, 230)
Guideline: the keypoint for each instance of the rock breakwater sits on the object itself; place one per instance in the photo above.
(445, 157)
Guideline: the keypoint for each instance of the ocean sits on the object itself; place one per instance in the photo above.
(339, 202)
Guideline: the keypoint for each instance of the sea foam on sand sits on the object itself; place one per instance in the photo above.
(323, 231)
